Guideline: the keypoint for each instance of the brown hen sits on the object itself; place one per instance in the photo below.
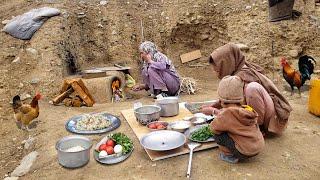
(25, 113)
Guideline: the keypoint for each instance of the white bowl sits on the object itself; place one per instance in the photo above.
(180, 126)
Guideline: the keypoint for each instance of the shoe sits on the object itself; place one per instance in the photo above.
(157, 92)
(228, 158)
(164, 94)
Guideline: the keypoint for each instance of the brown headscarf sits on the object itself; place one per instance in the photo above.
(228, 60)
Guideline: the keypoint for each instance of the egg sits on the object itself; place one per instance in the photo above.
(103, 154)
(117, 149)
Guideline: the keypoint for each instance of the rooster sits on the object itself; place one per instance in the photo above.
(25, 113)
(298, 78)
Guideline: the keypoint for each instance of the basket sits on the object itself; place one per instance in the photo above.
(280, 10)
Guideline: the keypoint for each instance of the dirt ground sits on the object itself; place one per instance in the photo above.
(110, 34)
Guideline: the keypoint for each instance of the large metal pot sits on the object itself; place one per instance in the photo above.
(73, 159)
(147, 114)
(169, 106)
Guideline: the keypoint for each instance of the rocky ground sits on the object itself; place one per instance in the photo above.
(88, 34)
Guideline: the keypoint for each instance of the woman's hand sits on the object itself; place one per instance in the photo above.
(138, 87)
(216, 104)
(207, 110)
(210, 110)
(206, 106)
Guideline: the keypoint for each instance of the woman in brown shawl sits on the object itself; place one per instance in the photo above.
(260, 92)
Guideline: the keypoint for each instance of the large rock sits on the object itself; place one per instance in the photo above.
(16, 60)
(293, 53)
(35, 81)
(28, 143)
(25, 165)
(11, 178)
(4, 22)
(204, 36)
(25, 96)
(102, 3)
(32, 51)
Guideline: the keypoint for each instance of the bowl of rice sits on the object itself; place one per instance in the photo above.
(73, 151)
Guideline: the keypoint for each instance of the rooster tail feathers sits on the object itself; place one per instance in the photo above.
(16, 101)
(312, 59)
(306, 59)
(306, 63)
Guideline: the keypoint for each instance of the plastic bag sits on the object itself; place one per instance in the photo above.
(24, 26)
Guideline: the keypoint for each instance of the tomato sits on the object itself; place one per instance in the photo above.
(110, 143)
(158, 124)
(161, 126)
(109, 150)
(102, 147)
(152, 126)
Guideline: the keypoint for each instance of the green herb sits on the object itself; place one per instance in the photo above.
(202, 134)
(124, 141)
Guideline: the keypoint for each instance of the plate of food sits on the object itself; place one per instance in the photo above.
(93, 123)
(114, 148)
(157, 125)
(200, 133)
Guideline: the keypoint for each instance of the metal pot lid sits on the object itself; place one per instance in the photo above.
(163, 140)
(168, 100)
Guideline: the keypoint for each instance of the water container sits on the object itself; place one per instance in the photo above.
(314, 97)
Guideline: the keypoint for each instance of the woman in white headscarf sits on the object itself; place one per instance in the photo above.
(158, 73)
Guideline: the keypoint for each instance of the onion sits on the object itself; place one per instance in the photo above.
(103, 154)
(117, 149)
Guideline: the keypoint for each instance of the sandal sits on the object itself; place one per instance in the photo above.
(228, 158)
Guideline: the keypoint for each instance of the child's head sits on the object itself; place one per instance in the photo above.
(230, 90)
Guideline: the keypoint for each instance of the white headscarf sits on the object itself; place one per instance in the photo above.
(150, 48)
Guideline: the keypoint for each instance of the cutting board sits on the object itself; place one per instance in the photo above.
(141, 130)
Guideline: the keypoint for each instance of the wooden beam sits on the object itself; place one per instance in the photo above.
(190, 56)
(62, 96)
(84, 96)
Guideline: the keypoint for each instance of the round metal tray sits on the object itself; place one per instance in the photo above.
(195, 128)
(163, 140)
(71, 124)
(111, 159)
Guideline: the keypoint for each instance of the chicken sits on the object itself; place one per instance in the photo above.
(25, 113)
(298, 78)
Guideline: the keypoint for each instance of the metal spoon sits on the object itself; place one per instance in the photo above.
(191, 146)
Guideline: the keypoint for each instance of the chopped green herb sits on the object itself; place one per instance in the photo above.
(202, 134)
(124, 141)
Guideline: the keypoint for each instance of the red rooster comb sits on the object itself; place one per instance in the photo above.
(283, 61)
(38, 96)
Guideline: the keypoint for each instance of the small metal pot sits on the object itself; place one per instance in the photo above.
(169, 106)
(147, 114)
(73, 159)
